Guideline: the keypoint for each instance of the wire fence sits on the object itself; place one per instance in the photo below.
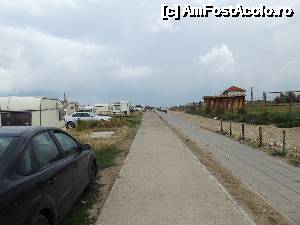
(265, 107)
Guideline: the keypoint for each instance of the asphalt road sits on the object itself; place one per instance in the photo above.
(163, 183)
(276, 181)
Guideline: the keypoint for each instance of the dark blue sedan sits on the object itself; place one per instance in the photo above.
(43, 171)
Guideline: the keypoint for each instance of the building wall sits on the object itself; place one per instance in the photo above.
(225, 103)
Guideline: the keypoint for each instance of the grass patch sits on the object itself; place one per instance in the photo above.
(79, 213)
(131, 121)
(279, 153)
(280, 119)
(105, 157)
(85, 125)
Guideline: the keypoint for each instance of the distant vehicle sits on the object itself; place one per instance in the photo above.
(121, 108)
(72, 120)
(164, 109)
(31, 111)
(103, 109)
(87, 108)
(132, 108)
(139, 108)
(43, 171)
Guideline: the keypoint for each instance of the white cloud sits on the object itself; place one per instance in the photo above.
(31, 60)
(36, 8)
(108, 49)
(162, 25)
(219, 59)
(129, 72)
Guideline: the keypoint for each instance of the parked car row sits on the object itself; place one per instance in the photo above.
(43, 171)
(49, 112)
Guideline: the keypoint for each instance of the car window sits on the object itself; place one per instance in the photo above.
(16, 118)
(76, 115)
(69, 145)
(85, 114)
(5, 142)
(26, 165)
(45, 149)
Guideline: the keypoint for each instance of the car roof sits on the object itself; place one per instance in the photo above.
(20, 130)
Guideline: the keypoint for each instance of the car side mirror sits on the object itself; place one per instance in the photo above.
(86, 147)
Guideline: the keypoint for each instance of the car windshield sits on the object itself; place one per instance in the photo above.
(5, 142)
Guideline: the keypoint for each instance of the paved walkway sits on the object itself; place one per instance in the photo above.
(162, 183)
(276, 181)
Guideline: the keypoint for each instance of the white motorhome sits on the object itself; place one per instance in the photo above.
(31, 111)
(72, 107)
(87, 108)
(103, 109)
(121, 108)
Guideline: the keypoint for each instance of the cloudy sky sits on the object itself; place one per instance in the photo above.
(106, 50)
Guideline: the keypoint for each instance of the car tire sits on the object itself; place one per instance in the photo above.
(39, 220)
(70, 125)
(92, 176)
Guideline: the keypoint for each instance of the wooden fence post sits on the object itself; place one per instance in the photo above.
(284, 147)
(243, 131)
(260, 137)
(230, 128)
(221, 126)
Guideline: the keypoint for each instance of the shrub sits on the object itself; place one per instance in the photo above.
(115, 122)
(208, 110)
(242, 111)
(220, 111)
(84, 125)
(280, 119)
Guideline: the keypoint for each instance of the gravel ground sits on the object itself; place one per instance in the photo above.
(272, 136)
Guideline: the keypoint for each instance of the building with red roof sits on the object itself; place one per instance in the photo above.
(233, 98)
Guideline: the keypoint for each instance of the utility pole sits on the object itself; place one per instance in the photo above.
(251, 95)
(290, 101)
(265, 100)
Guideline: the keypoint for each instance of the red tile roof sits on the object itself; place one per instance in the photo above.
(234, 88)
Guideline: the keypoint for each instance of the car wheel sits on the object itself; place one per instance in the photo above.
(70, 125)
(92, 176)
(39, 220)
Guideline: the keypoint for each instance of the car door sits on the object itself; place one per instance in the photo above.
(21, 197)
(85, 116)
(81, 158)
(76, 117)
(54, 171)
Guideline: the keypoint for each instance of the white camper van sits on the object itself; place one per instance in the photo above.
(31, 111)
(103, 109)
(121, 108)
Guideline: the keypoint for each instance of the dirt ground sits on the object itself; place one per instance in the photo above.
(257, 208)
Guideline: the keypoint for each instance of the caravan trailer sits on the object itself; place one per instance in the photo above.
(103, 109)
(121, 108)
(31, 111)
